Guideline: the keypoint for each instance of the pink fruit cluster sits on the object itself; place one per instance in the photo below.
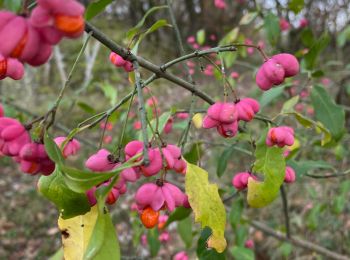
(276, 69)
(290, 175)
(102, 161)
(171, 153)
(33, 159)
(182, 255)
(119, 62)
(11, 68)
(71, 148)
(280, 136)
(220, 4)
(30, 39)
(162, 195)
(225, 116)
(16, 142)
(284, 25)
(240, 180)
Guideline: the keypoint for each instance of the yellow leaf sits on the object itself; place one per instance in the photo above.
(207, 205)
(295, 146)
(197, 120)
(76, 233)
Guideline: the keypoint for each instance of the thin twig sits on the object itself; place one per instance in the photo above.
(335, 175)
(105, 40)
(189, 76)
(285, 210)
(298, 242)
(142, 112)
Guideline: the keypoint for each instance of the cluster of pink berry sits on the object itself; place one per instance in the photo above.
(30, 39)
(286, 26)
(276, 69)
(250, 50)
(225, 116)
(119, 62)
(16, 142)
(150, 198)
(220, 4)
(280, 136)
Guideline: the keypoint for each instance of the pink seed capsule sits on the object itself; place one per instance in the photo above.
(290, 175)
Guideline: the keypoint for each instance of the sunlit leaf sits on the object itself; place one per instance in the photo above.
(248, 18)
(288, 106)
(76, 233)
(207, 205)
(200, 36)
(197, 120)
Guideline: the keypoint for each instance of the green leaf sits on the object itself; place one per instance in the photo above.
(303, 166)
(222, 162)
(343, 37)
(248, 18)
(81, 181)
(110, 92)
(95, 8)
(179, 213)
(195, 153)
(230, 37)
(270, 95)
(200, 36)
(86, 107)
(272, 28)
(296, 5)
(135, 30)
(206, 204)
(313, 54)
(13, 5)
(58, 255)
(241, 234)
(242, 253)
(331, 115)
(271, 163)
(288, 106)
(153, 241)
(184, 228)
(286, 249)
(307, 122)
(236, 212)
(162, 120)
(205, 253)
(307, 37)
(52, 150)
(69, 203)
(154, 27)
(103, 243)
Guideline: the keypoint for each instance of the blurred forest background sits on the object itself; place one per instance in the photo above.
(319, 208)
